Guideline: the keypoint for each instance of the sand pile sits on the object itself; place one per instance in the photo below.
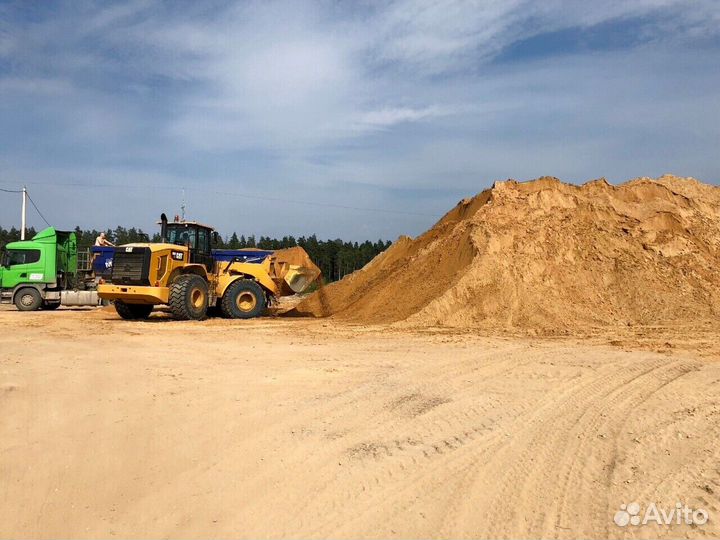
(548, 256)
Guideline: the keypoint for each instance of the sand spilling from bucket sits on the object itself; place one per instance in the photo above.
(548, 256)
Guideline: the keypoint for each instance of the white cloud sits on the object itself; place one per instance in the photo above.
(388, 117)
(394, 97)
(435, 36)
(287, 77)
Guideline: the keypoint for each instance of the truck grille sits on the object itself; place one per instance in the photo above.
(131, 266)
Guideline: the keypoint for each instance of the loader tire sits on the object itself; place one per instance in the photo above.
(133, 312)
(189, 298)
(243, 299)
(28, 299)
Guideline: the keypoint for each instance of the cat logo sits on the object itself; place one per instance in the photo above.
(178, 255)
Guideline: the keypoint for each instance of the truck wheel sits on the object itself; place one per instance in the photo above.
(50, 305)
(243, 299)
(133, 312)
(28, 299)
(189, 298)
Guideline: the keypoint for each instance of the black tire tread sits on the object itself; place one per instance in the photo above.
(36, 294)
(133, 312)
(177, 301)
(227, 304)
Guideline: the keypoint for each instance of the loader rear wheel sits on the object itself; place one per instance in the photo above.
(243, 299)
(189, 298)
(28, 299)
(133, 312)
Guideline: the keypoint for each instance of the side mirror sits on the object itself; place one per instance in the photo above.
(215, 238)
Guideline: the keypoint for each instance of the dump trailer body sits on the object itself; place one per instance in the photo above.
(101, 261)
(255, 256)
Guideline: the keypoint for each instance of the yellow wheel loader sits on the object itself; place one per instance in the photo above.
(186, 274)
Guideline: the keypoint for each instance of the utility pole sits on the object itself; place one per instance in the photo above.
(24, 208)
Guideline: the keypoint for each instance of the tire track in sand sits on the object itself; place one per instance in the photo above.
(562, 458)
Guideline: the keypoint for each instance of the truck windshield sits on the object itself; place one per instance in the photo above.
(21, 256)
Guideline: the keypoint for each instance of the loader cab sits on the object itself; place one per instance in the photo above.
(197, 237)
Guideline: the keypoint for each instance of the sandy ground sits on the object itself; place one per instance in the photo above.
(306, 428)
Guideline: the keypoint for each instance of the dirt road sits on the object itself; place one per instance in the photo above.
(278, 428)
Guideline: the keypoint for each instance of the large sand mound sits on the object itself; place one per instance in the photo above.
(548, 256)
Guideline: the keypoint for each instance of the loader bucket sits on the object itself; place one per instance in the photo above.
(295, 268)
(298, 279)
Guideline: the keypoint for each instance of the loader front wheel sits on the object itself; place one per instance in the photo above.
(243, 299)
(189, 298)
(132, 312)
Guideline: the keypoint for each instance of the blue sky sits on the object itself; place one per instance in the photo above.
(346, 119)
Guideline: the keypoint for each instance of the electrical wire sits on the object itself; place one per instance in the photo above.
(235, 194)
(312, 203)
(31, 202)
(38, 210)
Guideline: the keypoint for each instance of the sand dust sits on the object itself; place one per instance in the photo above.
(549, 257)
(314, 428)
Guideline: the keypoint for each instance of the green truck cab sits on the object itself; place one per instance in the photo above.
(42, 273)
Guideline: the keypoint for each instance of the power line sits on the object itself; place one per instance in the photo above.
(235, 194)
(311, 203)
(38, 210)
(31, 202)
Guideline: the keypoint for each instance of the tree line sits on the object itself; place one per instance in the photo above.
(335, 258)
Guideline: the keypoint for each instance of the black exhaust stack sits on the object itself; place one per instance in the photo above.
(163, 227)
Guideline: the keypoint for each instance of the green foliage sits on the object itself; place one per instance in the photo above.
(13, 235)
(334, 257)
(118, 236)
